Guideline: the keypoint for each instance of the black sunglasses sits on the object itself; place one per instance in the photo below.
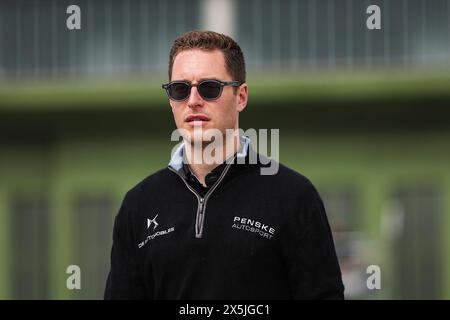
(208, 89)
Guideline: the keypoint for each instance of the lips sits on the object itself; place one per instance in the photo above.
(196, 117)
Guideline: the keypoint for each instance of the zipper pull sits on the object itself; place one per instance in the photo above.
(201, 205)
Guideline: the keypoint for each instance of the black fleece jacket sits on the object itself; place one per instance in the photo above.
(251, 236)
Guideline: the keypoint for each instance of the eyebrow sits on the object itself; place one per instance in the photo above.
(201, 79)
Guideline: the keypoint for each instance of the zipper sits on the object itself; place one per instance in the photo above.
(199, 219)
(201, 202)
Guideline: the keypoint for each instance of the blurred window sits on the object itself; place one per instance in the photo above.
(116, 37)
(92, 232)
(417, 247)
(30, 228)
(342, 206)
(331, 33)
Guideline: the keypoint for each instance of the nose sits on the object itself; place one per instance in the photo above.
(195, 100)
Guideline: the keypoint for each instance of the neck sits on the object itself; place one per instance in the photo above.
(203, 157)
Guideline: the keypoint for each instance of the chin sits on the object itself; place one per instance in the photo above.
(202, 136)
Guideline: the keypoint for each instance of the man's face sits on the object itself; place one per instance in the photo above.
(195, 112)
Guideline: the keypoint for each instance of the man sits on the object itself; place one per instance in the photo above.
(202, 230)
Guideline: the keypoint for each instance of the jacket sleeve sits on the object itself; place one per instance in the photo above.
(308, 249)
(124, 279)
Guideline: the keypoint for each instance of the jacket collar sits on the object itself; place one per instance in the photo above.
(176, 161)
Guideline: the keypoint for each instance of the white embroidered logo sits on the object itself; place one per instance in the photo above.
(149, 222)
(156, 234)
(257, 227)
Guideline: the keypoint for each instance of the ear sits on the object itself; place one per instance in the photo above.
(242, 97)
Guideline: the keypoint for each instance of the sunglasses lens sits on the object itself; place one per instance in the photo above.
(179, 91)
(209, 90)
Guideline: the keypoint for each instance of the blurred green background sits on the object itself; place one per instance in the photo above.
(363, 113)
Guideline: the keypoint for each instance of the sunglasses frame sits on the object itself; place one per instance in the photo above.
(222, 84)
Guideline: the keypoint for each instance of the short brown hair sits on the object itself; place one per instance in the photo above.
(209, 40)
